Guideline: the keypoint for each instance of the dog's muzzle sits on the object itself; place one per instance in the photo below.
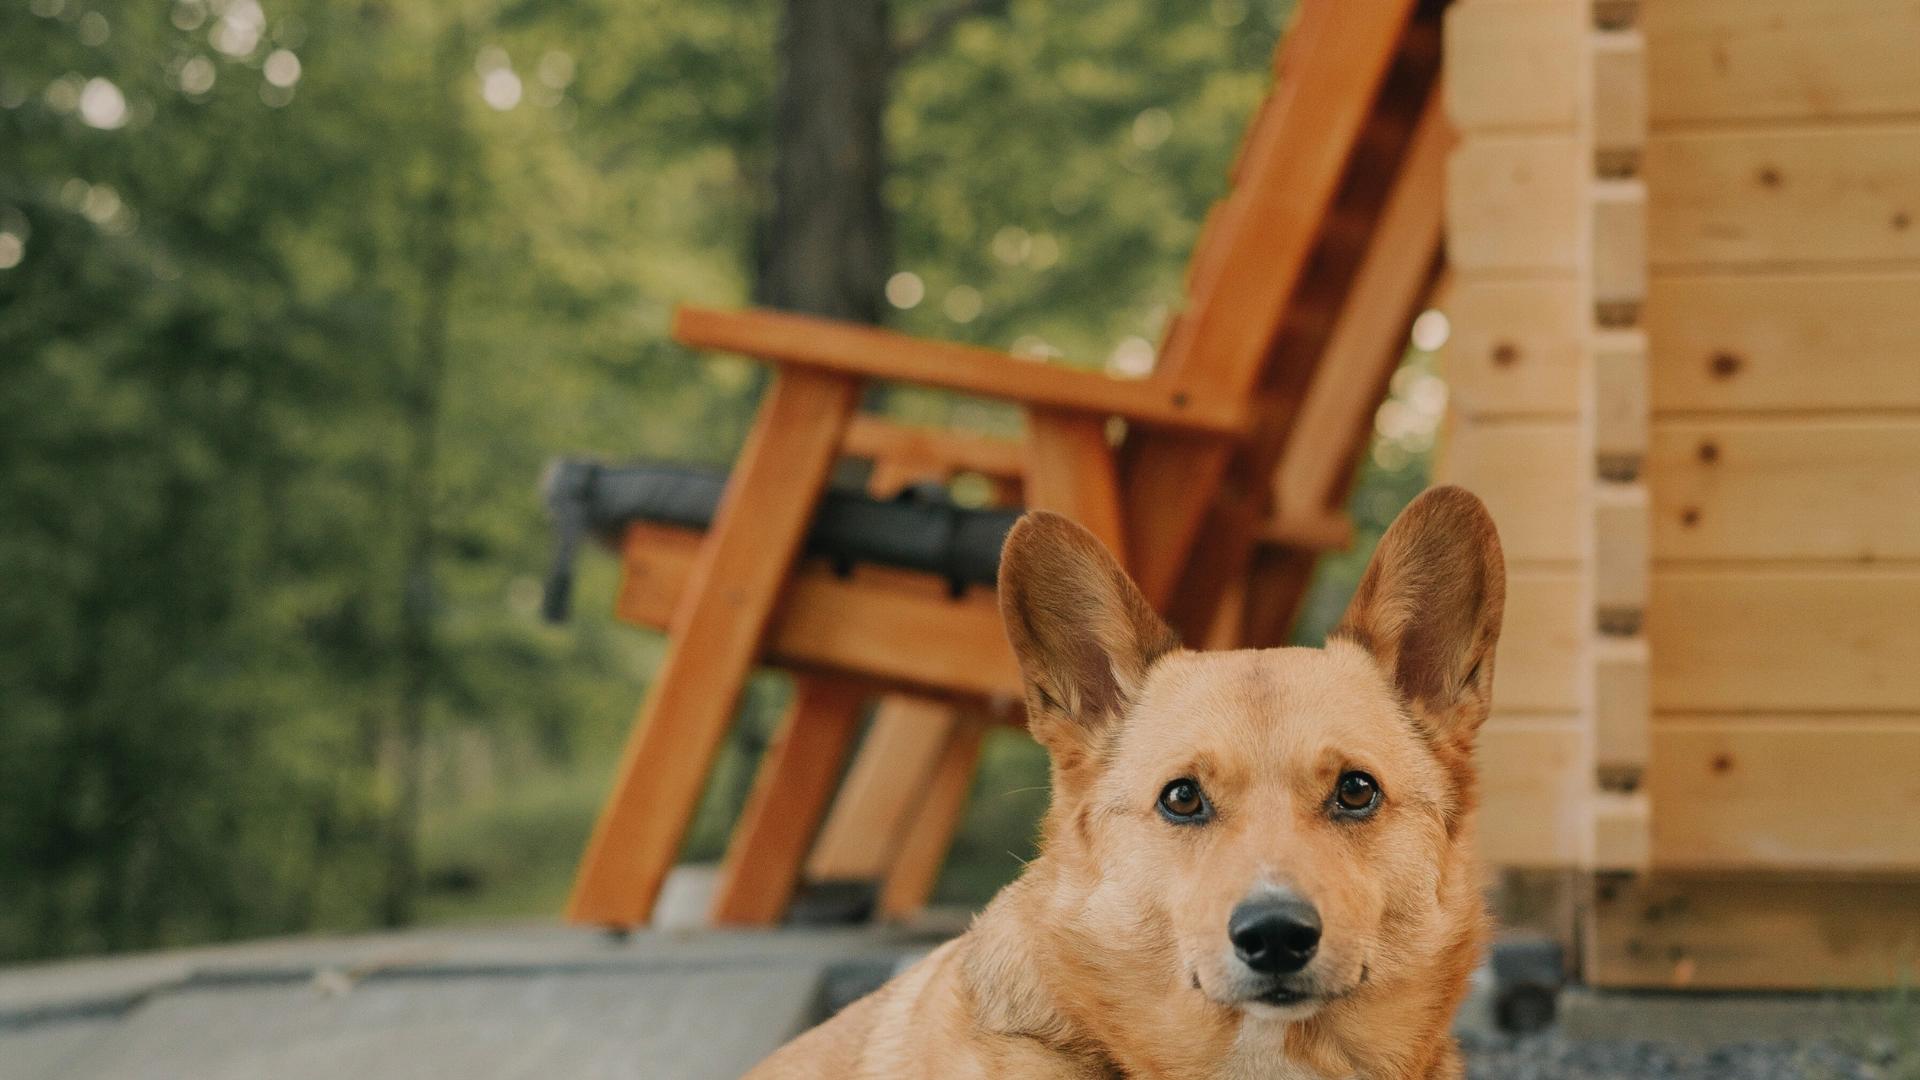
(1275, 933)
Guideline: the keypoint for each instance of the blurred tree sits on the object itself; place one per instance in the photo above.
(827, 245)
(297, 295)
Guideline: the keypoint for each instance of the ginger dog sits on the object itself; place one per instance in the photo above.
(1256, 863)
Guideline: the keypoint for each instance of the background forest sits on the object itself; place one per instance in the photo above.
(297, 296)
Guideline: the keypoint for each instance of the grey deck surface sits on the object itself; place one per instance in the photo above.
(545, 1001)
(509, 1002)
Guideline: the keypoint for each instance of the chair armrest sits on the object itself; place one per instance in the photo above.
(862, 351)
(870, 436)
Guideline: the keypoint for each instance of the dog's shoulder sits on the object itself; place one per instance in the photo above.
(918, 1024)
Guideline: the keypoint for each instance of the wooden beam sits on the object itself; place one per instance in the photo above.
(1071, 471)
(1395, 278)
(730, 592)
(1332, 65)
(1751, 932)
(905, 638)
(1309, 530)
(790, 793)
(870, 817)
(923, 851)
(804, 341)
(1302, 451)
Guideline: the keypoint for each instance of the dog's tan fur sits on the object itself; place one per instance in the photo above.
(1109, 956)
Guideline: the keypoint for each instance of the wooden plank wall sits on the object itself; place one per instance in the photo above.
(1784, 318)
(1780, 428)
(1519, 202)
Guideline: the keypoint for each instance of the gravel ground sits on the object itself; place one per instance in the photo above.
(1550, 1056)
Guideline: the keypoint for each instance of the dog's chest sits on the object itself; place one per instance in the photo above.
(1260, 1053)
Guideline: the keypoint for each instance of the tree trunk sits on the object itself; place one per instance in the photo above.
(826, 247)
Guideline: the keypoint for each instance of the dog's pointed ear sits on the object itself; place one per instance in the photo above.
(1083, 634)
(1429, 608)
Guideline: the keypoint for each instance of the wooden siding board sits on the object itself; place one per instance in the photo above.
(1787, 489)
(1758, 794)
(1515, 347)
(1754, 60)
(1530, 474)
(1745, 198)
(1754, 933)
(1533, 791)
(1514, 204)
(1536, 663)
(1753, 343)
(1507, 65)
(1767, 640)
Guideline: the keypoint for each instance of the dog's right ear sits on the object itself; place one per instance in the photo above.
(1083, 634)
(1428, 609)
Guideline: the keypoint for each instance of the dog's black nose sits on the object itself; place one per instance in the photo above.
(1274, 934)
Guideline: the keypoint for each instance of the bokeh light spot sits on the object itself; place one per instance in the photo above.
(963, 303)
(1034, 347)
(500, 88)
(1152, 127)
(240, 28)
(94, 30)
(1133, 357)
(905, 290)
(189, 15)
(1012, 245)
(282, 68)
(102, 105)
(196, 76)
(1431, 330)
(63, 93)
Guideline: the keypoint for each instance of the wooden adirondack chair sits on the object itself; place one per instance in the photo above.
(896, 814)
(1277, 261)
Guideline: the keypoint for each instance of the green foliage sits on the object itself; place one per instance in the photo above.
(217, 354)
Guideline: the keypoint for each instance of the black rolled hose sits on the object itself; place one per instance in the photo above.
(921, 529)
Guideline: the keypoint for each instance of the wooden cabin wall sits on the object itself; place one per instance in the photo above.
(1520, 308)
(1781, 321)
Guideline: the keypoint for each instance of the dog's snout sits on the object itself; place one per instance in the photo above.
(1274, 934)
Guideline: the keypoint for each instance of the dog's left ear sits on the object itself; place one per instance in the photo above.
(1429, 607)
(1083, 634)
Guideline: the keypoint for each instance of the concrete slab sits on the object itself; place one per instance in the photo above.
(504, 1002)
(683, 1025)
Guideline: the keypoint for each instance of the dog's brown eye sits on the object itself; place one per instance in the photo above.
(1181, 801)
(1356, 793)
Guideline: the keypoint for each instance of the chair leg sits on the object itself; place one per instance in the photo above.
(916, 869)
(790, 793)
(871, 814)
(1275, 589)
(711, 643)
